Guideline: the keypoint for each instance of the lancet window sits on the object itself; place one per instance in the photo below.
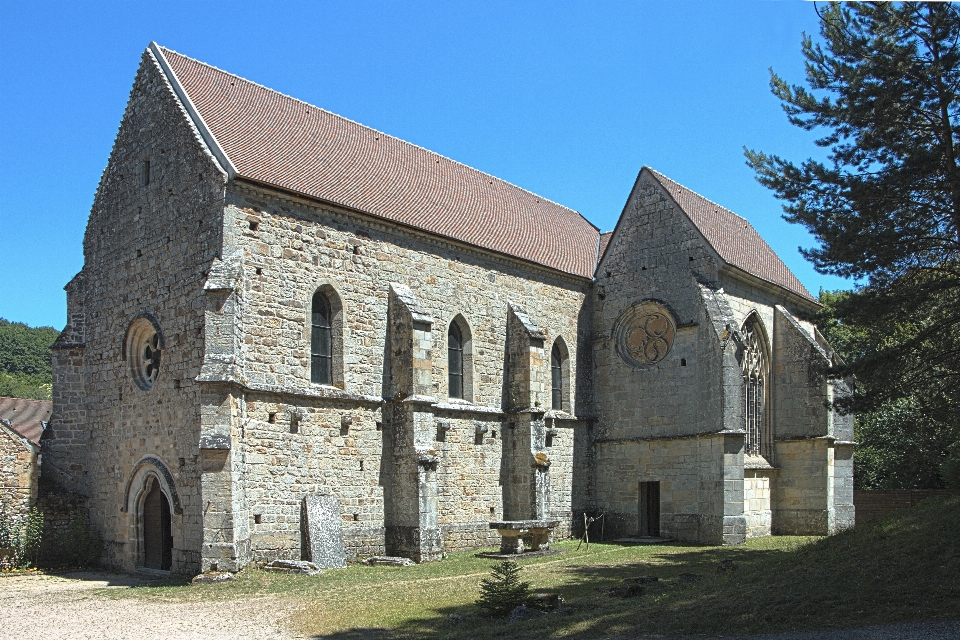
(556, 378)
(455, 361)
(755, 381)
(321, 340)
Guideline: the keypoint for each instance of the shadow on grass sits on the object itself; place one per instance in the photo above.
(900, 569)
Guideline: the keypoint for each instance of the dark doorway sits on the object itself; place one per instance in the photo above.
(157, 534)
(649, 510)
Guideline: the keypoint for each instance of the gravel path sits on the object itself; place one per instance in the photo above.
(68, 607)
(54, 607)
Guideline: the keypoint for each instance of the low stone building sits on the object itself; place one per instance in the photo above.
(22, 421)
(277, 302)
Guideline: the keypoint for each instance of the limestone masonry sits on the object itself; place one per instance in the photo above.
(278, 304)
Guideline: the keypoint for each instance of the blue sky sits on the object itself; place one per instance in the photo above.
(566, 99)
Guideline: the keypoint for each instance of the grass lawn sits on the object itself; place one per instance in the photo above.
(903, 568)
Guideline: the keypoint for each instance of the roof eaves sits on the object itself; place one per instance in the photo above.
(198, 121)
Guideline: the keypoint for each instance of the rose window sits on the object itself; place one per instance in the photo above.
(143, 349)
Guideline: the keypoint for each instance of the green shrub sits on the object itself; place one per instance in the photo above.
(503, 591)
(22, 534)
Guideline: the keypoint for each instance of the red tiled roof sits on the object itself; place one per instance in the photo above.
(25, 416)
(604, 242)
(733, 238)
(280, 141)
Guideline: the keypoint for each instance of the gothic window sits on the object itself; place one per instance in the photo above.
(321, 340)
(556, 378)
(560, 376)
(754, 366)
(455, 361)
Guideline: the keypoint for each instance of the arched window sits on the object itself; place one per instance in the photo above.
(321, 340)
(754, 366)
(455, 361)
(559, 376)
(556, 379)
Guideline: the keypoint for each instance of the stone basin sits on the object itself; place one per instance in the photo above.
(512, 532)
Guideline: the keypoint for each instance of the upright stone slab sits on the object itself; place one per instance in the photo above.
(324, 528)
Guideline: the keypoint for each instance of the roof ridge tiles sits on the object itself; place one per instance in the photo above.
(383, 133)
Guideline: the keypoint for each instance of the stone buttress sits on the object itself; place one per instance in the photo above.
(411, 499)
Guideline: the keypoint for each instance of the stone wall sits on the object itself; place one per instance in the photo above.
(281, 250)
(18, 473)
(153, 232)
(655, 421)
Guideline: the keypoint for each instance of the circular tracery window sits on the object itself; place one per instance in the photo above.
(143, 349)
(644, 334)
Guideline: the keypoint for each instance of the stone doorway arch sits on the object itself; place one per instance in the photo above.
(153, 503)
(157, 541)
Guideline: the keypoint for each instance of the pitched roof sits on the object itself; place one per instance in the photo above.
(604, 243)
(26, 417)
(280, 141)
(732, 237)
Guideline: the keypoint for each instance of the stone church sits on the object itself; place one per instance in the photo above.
(277, 302)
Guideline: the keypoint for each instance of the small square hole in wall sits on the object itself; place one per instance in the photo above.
(139, 253)
(257, 518)
(356, 517)
(379, 426)
(259, 271)
(254, 225)
(361, 465)
(683, 362)
(493, 510)
(272, 418)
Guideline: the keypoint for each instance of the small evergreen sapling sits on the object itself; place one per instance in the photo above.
(503, 591)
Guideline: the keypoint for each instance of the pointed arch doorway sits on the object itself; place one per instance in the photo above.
(157, 531)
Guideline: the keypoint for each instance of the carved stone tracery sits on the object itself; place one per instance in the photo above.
(644, 334)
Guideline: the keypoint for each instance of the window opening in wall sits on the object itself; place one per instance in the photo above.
(254, 225)
(683, 362)
(648, 522)
(257, 518)
(321, 341)
(455, 361)
(143, 350)
(754, 379)
(556, 378)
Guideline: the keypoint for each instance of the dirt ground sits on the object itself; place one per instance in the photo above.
(72, 606)
(69, 606)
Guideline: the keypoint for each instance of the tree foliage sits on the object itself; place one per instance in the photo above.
(901, 445)
(25, 360)
(503, 591)
(883, 89)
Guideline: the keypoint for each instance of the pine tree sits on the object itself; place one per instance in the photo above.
(503, 591)
(884, 88)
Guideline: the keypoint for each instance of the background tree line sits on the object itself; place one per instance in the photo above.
(25, 360)
(882, 88)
